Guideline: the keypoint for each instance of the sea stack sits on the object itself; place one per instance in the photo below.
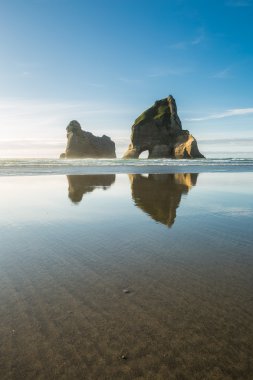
(82, 144)
(158, 130)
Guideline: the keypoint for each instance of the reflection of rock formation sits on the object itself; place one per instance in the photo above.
(83, 144)
(159, 195)
(158, 130)
(82, 184)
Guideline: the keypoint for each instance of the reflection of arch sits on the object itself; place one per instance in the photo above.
(159, 195)
(82, 184)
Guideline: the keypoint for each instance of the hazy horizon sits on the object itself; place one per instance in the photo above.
(29, 148)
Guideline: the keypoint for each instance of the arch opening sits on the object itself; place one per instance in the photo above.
(144, 154)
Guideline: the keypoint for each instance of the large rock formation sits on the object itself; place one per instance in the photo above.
(159, 195)
(82, 184)
(159, 130)
(82, 144)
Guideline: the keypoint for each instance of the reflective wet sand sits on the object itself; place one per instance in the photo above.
(150, 279)
(159, 195)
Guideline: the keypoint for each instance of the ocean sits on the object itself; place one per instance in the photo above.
(12, 167)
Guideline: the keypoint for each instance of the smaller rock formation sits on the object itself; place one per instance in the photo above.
(82, 144)
(158, 130)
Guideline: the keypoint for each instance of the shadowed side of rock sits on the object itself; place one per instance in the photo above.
(82, 144)
(159, 131)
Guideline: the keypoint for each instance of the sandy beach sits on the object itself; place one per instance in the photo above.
(126, 277)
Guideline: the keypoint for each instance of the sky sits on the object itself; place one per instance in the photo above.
(104, 62)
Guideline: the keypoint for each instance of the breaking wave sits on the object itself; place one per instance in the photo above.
(19, 167)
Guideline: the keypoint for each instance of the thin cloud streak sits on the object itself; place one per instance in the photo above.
(181, 45)
(169, 72)
(199, 39)
(129, 80)
(223, 74)
(228, 113)
(15, 112)
(28, 106)
(239, 3)
(26, 118)
(227, 141)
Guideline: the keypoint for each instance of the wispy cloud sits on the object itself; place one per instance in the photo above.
(20, 118)
(197, 40)
(35, 128)
(227, 141)
(165, 72)
(239, 3)
(228, 113)
(181, 45)
(23, 107)
(26, 74)
(96, 85)
(129, 80)
(223, 74)
(32, 147)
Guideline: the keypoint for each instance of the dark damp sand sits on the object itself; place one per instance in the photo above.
(65, 268)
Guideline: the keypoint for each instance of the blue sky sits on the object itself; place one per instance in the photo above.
(104, 62)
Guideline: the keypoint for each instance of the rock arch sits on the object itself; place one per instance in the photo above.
(159, 130)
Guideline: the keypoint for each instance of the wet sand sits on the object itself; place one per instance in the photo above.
(111, 289)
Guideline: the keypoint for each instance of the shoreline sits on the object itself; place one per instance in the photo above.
(31, 167)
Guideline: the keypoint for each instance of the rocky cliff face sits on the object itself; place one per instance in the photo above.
(159, 130)
(82, 144)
